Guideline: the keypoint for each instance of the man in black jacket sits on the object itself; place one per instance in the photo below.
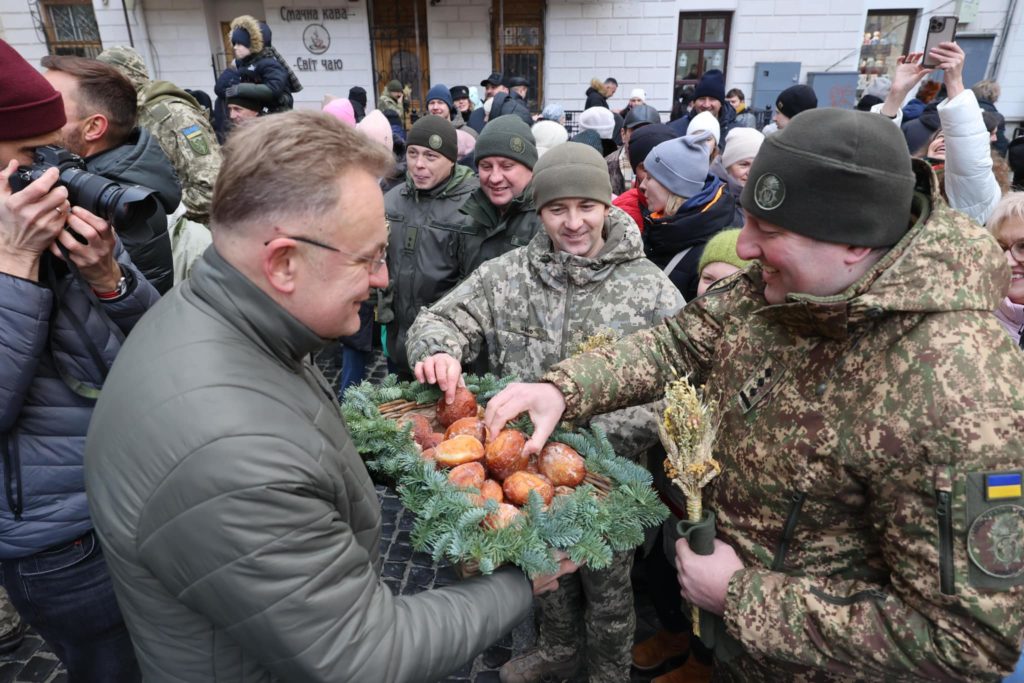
(100, 105)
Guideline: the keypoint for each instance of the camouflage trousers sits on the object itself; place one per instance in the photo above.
(9, 619)
(592, 614)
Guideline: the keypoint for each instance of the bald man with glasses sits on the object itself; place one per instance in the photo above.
(241, 527)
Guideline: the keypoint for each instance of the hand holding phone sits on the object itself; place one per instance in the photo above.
(940, 30)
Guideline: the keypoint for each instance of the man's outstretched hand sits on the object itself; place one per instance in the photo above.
(543, 402)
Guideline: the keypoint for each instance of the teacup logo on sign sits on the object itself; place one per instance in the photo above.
(316, 38)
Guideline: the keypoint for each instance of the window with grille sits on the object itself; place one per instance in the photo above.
(703, 44)
(70, 27)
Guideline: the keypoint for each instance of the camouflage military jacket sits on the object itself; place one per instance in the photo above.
(184, 132)
(491, 232)
(872, 445)
(532, 307)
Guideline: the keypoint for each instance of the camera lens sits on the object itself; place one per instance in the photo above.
(121, 205)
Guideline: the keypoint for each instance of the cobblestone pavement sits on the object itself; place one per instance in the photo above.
(404, 571)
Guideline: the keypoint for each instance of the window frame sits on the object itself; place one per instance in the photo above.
(55, 46)
(911, 15)
(702, 45)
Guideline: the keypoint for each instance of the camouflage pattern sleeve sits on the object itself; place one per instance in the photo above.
(457, 324)
(636, 369)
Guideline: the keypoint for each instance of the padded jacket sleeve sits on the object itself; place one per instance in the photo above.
(970, 184)
(24, 317)
(296, 590)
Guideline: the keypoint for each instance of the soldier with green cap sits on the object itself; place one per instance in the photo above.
(500, 215)
(584, 273)
(180, 125)
(870, 506)
(425, 228)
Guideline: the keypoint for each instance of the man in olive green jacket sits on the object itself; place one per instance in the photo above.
(425, 229)
(501, 215)
(241, 528)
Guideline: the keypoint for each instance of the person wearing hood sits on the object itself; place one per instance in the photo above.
(959, 148)
(425, 228)
(101, 128)
(709, 96)
(686, 206)
(733, 166)
(599, 92)
(744, 117)
(582, 274)
(357, 96)
(258, 72)
(181, 126)
(869, 507)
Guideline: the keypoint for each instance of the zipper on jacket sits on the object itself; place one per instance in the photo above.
(12, 481)
(565, 317)
(796, 501)
(944, 513)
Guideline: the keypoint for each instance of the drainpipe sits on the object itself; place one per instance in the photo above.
(128, 24)
(1010, 12)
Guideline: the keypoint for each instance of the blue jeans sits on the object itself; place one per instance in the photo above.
(353, 368)
(66, 595)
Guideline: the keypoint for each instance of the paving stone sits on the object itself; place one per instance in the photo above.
(421, 576)
(38, 669)
(393, 570)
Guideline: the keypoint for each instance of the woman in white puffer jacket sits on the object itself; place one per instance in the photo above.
(960, 151)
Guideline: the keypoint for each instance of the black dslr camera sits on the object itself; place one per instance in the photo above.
(120, 205)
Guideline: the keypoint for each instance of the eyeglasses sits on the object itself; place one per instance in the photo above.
(374, 263)
(1016, 250)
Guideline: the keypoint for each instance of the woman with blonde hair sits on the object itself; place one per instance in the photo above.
(1007, 225)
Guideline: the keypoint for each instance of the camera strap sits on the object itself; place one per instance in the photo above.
(80, 387)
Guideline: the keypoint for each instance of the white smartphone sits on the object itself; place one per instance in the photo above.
(940, 30)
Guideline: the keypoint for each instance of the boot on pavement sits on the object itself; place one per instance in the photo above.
(659, 648)
(693, 671)
(537, 665)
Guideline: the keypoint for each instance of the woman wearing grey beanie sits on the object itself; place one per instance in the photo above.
(686, 206)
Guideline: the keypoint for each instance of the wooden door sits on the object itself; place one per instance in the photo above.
(517, 40)
(398, 34)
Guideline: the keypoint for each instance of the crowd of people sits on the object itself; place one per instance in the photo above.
(182, 499)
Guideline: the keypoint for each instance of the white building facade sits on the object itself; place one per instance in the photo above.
(559, 45)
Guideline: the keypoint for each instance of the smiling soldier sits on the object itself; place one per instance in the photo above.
(872, 421)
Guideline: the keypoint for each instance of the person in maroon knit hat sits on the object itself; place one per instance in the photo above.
(68, 296)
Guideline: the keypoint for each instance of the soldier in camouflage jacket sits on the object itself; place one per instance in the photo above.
(180, 125)
(531, 308)
(870, 517)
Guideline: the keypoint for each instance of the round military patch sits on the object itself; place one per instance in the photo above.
(769, 192)
(995, 541)
(516, 144)
(434, 141)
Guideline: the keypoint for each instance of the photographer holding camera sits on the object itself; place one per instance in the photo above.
(101, 110)
(68, 296)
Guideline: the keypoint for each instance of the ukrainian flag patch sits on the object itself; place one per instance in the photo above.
(1003, 486)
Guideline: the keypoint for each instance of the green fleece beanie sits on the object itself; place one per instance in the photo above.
(722, 249)
(436, 133)
(507, 136)
(834, 175)
(571, 169)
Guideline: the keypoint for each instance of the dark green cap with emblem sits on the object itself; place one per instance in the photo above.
(436, 133)
(834, 175)
(507, 136)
